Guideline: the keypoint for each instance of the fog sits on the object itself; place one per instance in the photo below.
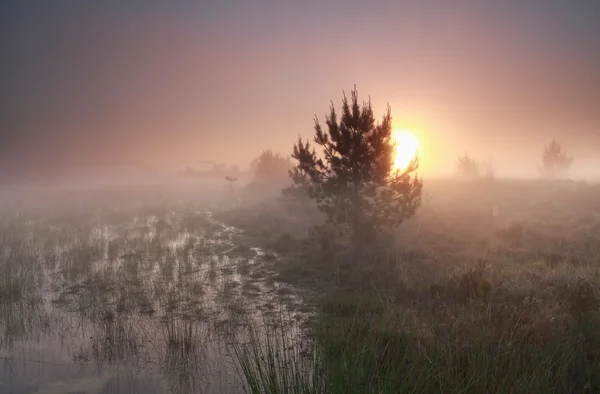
(171, 86)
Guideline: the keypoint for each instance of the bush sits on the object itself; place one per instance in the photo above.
(555, 162)
(468, 167)
(270, 167)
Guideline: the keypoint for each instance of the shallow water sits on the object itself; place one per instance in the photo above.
(137, 300)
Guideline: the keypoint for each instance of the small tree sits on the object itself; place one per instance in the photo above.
(353, 180)
(467, 167)
(555, 161)
(270, 167)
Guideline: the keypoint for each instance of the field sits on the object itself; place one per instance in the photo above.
(492, 287)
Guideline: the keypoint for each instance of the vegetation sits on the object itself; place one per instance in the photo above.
(352, 179)
(468, 167)
(555, 162)
(456, 299)
(135, 278)
(459, 299)
(487, 287)
(270, 167)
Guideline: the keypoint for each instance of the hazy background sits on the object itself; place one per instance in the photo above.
(173, 84)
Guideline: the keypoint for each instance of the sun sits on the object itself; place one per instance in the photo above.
(407, 147)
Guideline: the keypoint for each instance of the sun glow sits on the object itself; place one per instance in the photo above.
(407, 147)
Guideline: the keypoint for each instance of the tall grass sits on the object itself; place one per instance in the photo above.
(367, 353)
(18, 259)
(490, 288)
(273, 356)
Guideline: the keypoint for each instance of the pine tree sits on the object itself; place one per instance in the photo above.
(555, 161)
(352, 179)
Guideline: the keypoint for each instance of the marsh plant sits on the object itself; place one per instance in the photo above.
(386, 350)
(153, 287)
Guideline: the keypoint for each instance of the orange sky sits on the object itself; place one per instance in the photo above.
(173, 85)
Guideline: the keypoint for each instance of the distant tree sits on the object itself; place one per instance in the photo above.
(468, 167)
(353, 181)
(555, 162)
(270, 167)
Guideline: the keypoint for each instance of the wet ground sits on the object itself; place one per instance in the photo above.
(139, 298)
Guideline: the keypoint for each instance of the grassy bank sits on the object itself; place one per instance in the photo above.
(492, 287)
(370, 354)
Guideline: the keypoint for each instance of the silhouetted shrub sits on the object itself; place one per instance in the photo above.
(270, 167)
(468, 167)
(555, 162)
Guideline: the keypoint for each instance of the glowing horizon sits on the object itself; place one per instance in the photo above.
(407, 148)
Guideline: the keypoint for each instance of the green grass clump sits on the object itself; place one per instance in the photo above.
(387, 352)
(274, 358)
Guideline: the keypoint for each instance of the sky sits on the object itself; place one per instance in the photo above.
(171, 84)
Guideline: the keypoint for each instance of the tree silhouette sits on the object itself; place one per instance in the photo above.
(270, 166)
(468, 167)
(555, 161)
(353, 180)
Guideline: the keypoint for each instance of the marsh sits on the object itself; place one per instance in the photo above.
(126, 289)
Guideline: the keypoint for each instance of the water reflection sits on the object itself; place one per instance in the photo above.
(101, 300)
